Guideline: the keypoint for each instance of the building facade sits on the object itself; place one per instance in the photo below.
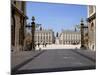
(18, 20)
(44, 37)
(92, 27)
(70, 37)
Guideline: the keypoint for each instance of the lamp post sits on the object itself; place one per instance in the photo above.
(82, 33)
(33, 27)
(33, 31)
(82, 27)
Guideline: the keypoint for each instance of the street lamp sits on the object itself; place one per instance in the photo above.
(82, 33)
(33, 31)
(82, 27)
(33, 27)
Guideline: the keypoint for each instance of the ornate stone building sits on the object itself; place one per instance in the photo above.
(70, 37)
(18, 20)
(92, 27)
(44, 37)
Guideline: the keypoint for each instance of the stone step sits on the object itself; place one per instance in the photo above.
(56, 46)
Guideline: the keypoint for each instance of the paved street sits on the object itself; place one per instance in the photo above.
(58, 60)
(21, 58)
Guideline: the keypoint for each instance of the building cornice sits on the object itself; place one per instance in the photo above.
(18, 11)
(91, 17)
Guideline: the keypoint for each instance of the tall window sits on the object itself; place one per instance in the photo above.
(21, 32)
(13, 31)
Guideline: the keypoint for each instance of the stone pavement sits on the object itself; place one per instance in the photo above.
(87, 53)
(58, 60)
(21, 58)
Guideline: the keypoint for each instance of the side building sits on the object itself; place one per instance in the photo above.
(28, 40)
(70, 37)
(91, 27)
(44, 37)
(18, 20)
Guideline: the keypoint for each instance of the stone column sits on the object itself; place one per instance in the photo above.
(82, 33)
(33, 31)
(17, 26)
(12, 31)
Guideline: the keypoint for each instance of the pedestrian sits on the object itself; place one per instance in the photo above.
(45, 44)
(38, 44)
(39, 48)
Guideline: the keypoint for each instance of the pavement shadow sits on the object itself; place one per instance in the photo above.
(86, 56)
(15, 69)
